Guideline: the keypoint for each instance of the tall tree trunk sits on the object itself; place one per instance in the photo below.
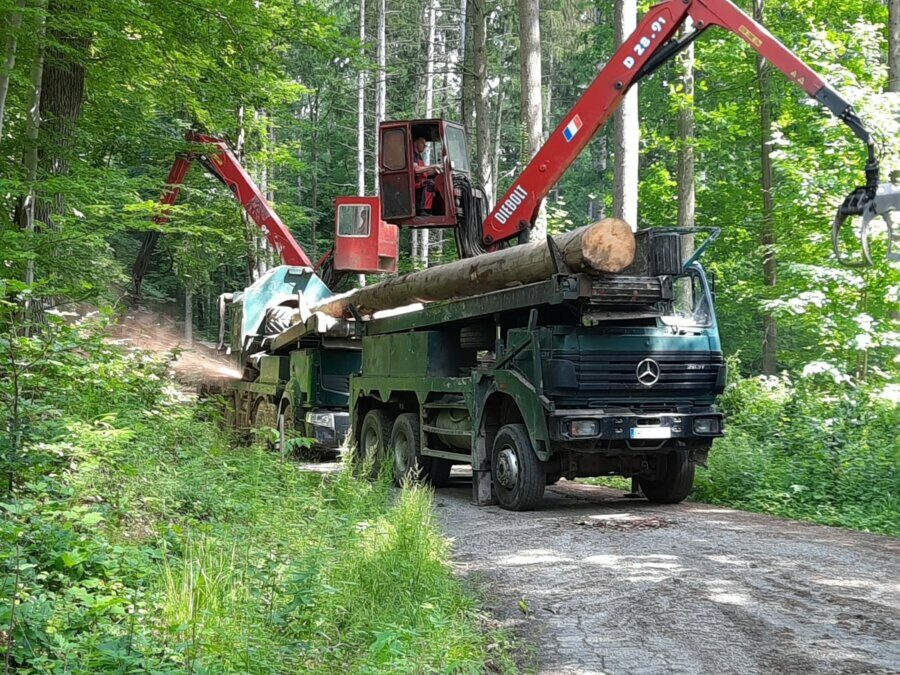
(9, 57)
(483, 149)
(626, 131)
(685, 159)
(32, 129)
(61, 99)
(361, 117)
(431, 29)
(262, 174)
(188, 315)
(767, 235)
(248, 226)
(498, 132)
(893, 45)
(361, 107)
(314, 187)
(380, 84)
(466, 104)
(530, 78)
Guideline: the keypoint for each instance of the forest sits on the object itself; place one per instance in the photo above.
(136, 536)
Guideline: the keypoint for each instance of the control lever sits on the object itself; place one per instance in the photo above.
(862, 202)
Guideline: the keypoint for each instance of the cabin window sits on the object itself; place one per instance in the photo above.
(393, 152)
(354, 220)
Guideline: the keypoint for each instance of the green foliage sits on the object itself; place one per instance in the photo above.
(137, 538)
(808, 449)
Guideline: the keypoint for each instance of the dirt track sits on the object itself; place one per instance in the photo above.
(618, 586)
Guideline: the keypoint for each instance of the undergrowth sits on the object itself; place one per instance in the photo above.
(136, 537)
(809, 449)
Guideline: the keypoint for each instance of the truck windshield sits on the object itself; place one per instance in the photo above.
(690, 303)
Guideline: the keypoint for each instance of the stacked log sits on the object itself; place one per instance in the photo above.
(604, 247)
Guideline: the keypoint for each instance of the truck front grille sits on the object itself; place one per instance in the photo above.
(604, 374)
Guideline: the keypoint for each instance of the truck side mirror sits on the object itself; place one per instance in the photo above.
(363, 242)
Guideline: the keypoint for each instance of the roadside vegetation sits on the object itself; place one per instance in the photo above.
(137, 537)
(808, 448)
(811, 448)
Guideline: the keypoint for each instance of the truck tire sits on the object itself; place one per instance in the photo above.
(405, 448)
(477, 336)
(374, 436)
(437, 470)
(517, 474)
(677, 482)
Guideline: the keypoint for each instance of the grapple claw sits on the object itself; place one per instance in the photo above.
(869, 204)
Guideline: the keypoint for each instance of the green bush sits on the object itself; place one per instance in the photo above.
(136, 537)
(809, 449)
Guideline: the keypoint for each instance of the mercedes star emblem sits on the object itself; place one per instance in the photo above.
(647, 372)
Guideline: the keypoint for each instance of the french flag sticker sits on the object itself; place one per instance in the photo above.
(572, 128)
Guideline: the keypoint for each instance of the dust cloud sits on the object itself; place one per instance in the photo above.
(198, 364)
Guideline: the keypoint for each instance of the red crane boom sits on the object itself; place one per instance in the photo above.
(651, 44)
(222, 163)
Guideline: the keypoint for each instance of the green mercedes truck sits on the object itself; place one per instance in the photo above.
(578, 375)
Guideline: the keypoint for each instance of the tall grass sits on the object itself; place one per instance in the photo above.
(140, 538)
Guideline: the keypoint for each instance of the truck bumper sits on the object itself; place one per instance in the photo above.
(328, 428)
(634, 427)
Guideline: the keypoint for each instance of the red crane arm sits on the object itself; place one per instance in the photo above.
(226, 167)
(651, 44)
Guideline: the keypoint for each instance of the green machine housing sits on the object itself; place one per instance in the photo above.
(290, 370)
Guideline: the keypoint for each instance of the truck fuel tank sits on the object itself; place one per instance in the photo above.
(454, 420)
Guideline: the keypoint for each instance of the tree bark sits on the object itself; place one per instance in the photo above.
(361, 107)
(530, 82)
(430, 18)
(32, 129)
(483, 149)
(9, 57)
(626, 131)
(188, 317)
(767, 234)
(893, 45)
(685, 159)
(466, 104)
(249, 228)
(380, 84)
(605, 246)
(61, 99)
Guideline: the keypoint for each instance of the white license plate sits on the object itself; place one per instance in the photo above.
(651, 432)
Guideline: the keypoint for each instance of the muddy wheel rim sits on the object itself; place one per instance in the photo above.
(370, 444)
(401, 456)
(508, 467)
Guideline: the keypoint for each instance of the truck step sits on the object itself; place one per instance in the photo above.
(452, 405)
(446, 432)
(443, 454)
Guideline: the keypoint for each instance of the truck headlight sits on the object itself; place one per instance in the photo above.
(706, 425)
(582, 428)
(320, 419)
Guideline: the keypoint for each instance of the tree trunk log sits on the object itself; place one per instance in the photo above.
(606, 246)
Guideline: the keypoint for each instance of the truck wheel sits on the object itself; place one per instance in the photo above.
(436, 470)
(478, 336)
(374, 436)
(405, 447)
(408, 459)
(677, 482)
(518, 476)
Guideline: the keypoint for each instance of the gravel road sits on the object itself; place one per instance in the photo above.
(614, 586)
